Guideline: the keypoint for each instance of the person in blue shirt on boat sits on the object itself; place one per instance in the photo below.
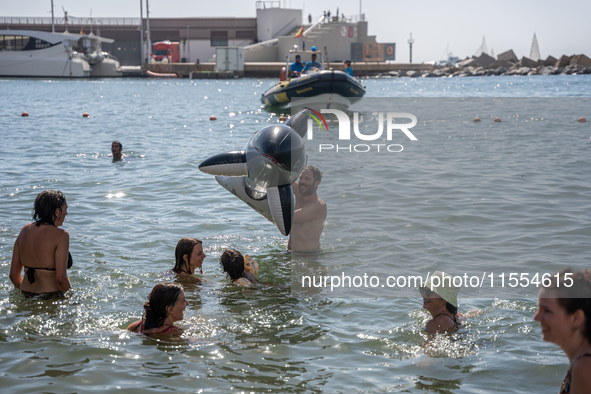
(296, 67)
(312, 64)
(348, 68)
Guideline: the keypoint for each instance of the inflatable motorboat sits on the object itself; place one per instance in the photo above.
(316, 85)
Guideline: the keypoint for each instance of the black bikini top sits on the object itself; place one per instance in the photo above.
(565, 389)
(31, 271)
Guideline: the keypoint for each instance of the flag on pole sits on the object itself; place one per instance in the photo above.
(300, 32)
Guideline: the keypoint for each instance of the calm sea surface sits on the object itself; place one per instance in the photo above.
(468, 198)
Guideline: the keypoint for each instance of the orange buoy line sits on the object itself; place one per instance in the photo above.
(25, 113)
(282, 118)
(212, 117)
(477, 119)
(85, 115)
(582, 120)
(497, 120)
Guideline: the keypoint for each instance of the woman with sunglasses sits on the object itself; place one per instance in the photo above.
(440, 300)
(564, 313)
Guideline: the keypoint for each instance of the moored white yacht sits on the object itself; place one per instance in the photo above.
(29, 53)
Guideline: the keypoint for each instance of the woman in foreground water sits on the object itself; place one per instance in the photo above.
(564, 314)
(166, 304)
(41, 248)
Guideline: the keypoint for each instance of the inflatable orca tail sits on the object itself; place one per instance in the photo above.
(299, 122)
(281, 202)
(226, 164)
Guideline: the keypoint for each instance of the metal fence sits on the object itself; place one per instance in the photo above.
(25, 20)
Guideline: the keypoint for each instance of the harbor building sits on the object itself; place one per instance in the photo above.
(265, 38)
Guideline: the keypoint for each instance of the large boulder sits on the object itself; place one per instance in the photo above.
(563, 61)
(547, 70)
(412, 73)
(550, 61)
(525, 70)
(580, 60)
(471, 62)
(508, 56)
(500, 63)
(527, 62)
(484, 60)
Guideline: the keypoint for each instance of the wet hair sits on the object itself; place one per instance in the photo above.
(232, 262)
(316, 173)
(162, 296)
(575, 297)
(184, 247)
(119, 143)
(450, 308)
(45, 205)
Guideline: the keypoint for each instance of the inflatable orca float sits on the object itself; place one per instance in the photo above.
(262, 175)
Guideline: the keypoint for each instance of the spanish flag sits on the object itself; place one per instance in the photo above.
(300, 32)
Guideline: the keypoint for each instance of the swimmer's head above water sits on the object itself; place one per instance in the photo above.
(189, 256)
(236, 266)
(232, 262)
(162, 304)
(116, 148)
(440, 299)
(50, 208)
(309, 180)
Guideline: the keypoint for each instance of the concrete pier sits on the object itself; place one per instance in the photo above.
(271, 69)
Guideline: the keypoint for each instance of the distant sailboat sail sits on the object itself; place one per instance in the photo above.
(534, 54)
(483, 48)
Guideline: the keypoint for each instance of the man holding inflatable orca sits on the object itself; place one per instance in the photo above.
(309, 214)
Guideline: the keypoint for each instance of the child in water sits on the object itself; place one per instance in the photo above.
(242, 270)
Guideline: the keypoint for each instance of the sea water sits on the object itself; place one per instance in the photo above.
(464, 197)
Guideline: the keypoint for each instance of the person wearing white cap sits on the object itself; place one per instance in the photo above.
(440, 300)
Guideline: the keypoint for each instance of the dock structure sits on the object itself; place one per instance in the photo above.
(265, 69)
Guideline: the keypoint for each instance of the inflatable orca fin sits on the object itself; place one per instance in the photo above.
(281, 204)
(226, 164)
(299, 122)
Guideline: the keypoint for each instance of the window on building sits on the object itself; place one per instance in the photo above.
(219, 38)
(246, 34)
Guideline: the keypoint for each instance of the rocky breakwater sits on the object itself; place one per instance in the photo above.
(505, 64)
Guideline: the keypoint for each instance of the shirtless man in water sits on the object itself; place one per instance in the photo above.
(41, 248)
(309, 214)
